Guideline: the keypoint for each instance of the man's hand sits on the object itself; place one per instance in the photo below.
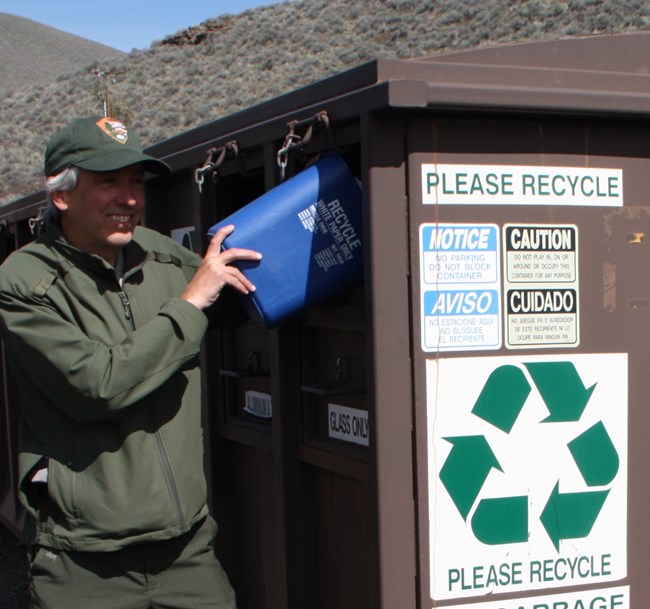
(216, 272)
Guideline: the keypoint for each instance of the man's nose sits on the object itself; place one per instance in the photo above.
(128, 194)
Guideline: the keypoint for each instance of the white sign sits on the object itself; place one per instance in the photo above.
(459, 184)
(348, 424)
(187, 237)
(527, 472)
(607, 598)
(460, 287)
(258, 404)
(541, 285)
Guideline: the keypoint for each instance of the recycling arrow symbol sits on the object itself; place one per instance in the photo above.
(504, 520)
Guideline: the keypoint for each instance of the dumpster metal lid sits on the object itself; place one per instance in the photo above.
(627, 53)
(605, 75)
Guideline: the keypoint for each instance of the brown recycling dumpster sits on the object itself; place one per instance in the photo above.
(466, 426)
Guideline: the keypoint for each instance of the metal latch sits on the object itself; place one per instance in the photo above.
(213, 161)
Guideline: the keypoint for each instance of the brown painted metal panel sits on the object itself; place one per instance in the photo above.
(305, 472)
(345, 575)
(612, 316)
(389, 349)
(11, 512)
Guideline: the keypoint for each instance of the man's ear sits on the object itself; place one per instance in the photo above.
(59, 199)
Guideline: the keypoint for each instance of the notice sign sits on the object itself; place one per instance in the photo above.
(541, 285)
(453, 184)
(460, 287)
(527, 470)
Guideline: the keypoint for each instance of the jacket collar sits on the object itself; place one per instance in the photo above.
(134, 254)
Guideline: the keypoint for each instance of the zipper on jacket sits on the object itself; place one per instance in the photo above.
(171, 483)
(127, 305)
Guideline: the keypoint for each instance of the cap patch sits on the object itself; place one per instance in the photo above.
(114, 129)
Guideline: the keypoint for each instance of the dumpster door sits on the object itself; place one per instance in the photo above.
(530, 306)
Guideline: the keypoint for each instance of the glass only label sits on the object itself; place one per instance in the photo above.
(456, 184)
(348, 424)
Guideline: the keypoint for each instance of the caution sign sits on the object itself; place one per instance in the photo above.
(541, 286)
(460, 287)
(527, 473)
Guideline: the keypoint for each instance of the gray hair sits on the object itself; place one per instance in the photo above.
(65, 181)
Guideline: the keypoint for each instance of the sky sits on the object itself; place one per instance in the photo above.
(125, 24)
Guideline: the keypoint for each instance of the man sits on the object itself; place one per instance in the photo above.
(102, 322)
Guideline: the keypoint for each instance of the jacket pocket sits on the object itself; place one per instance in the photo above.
(62, 488)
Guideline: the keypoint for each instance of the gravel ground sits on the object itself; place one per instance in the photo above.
(13, 572)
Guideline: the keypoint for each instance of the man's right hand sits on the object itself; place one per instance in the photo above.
(216, 272)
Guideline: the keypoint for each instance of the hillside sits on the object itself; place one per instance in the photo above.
(31, 52)
(235, 61)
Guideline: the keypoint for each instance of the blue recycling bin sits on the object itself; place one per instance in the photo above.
(309, 231)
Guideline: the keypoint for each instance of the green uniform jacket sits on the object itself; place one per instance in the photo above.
(109, 388)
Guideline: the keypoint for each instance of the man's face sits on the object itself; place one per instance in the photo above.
(100, 214)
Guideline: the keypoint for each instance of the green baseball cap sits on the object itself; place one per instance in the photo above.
(98, 144)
